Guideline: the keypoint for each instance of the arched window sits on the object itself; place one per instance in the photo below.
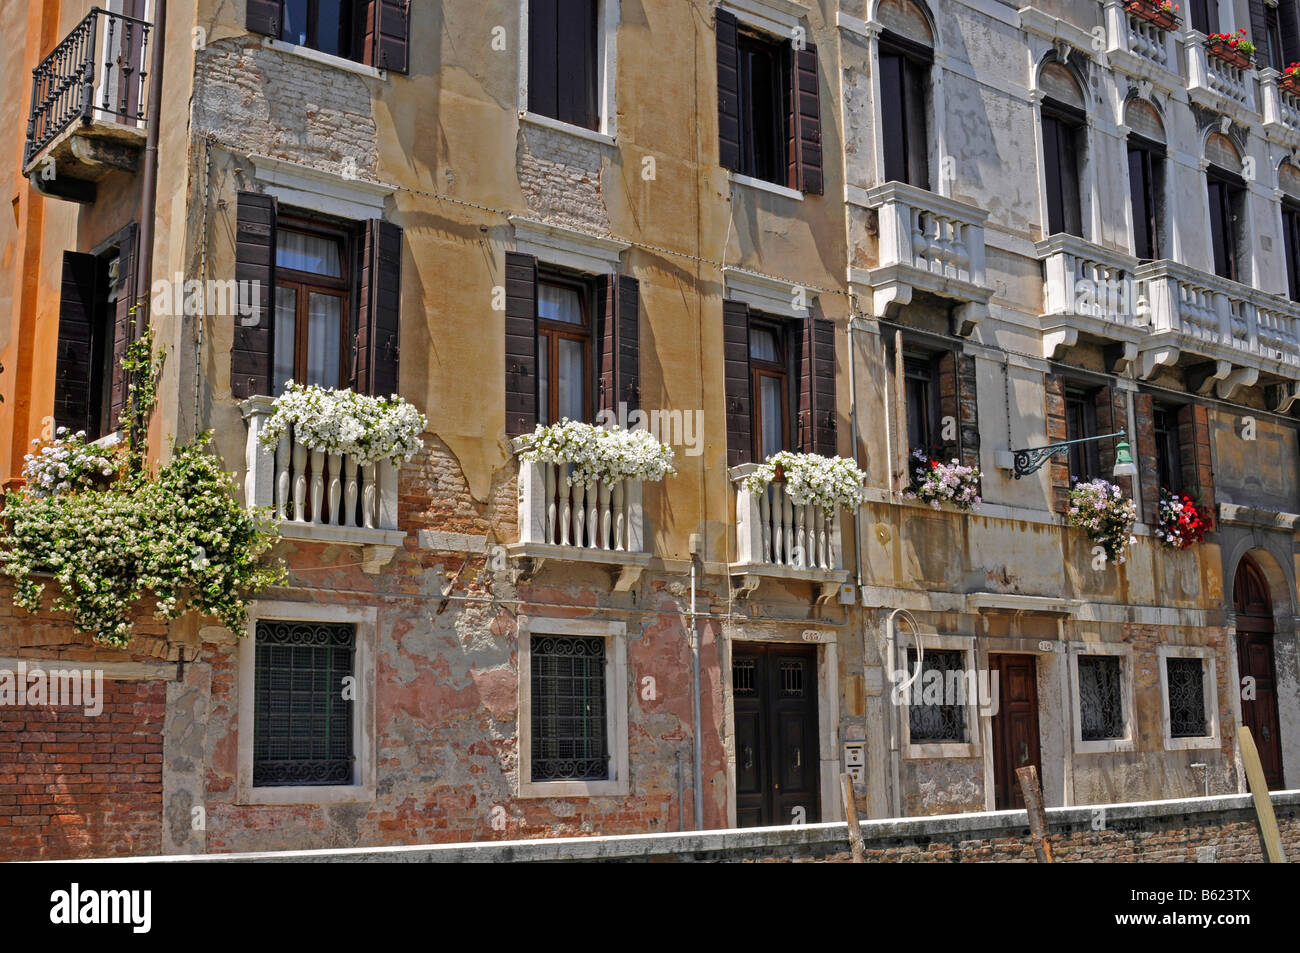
(906, 59)
(1146, 178)
(1288, 179)
(1064, 124)
(1227, 198)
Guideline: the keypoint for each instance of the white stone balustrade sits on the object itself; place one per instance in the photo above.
(773, 531)
(1281, 106)
(318, 496)
(1210, 79)
(1141, 48)
(604, 517)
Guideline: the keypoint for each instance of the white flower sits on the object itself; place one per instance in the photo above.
(341, 421)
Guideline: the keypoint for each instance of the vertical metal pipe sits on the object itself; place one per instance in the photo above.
(149, 179)
(697, 798)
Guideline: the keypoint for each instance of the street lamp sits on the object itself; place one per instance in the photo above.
(1031, 459)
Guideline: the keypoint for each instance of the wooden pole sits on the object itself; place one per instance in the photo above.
(856, 844)
(1268, 832)
(1028, 777)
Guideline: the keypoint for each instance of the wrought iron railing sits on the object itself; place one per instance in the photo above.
(97, 71)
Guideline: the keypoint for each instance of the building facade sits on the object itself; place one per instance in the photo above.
(861, 228)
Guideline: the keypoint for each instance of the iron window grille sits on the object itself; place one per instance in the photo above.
(1186, 677)
(1101, 702)
(942, 721)
(569, 740)
(302, 723)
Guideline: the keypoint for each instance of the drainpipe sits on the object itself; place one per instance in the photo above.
(697, 753)
(895, 710)
(149, 175)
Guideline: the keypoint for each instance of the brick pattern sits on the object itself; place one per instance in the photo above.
(957, 399)
(1197, 463)
(560, 177)
(1144, 454)
(1058, 466)
(76, 785)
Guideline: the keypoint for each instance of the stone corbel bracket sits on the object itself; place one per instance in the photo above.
(1152, 359)
(1281, 397)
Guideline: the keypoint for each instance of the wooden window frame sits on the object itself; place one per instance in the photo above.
(750, 42)
(1225, 221)
(1203, 15)
(545, 77)
(357, 28)
(305, 283)
(1273, 54)
(1151, 158)
(554, 331)
(1061, 155)
(780, 369)
(933, 416)
(1168, 447)
(1085, 458)
(905, 109)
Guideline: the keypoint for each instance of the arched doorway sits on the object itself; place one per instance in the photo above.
(1254, 606)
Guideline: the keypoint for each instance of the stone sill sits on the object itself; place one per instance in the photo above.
(577, 554)
(378, 546)
(762, 186)
(767, 570)
(568, 128)
(324, 59)
(1021, 603)
(1256, 516)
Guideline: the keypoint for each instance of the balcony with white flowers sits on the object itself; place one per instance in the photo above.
(1089, 292)
(909, 240)
(321, 497)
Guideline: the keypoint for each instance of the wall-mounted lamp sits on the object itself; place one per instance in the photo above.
(1031, 459)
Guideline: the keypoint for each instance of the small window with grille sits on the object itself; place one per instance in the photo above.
(302, 721)
(936, 700)
(569, 728)
(1101, 702)
(1186, 680)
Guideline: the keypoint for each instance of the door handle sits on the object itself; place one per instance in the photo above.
(1264, 732)
(1024, 751)
(798, 757)
(749, 757)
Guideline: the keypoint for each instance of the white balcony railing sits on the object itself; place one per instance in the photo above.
(774, 532)
(601, 519)
(1089, 288)
(1281, 106)
(318, 496)
(1148, 40)
(1141, 48)
(1211, 80)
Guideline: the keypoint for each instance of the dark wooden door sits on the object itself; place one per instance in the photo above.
(1254, 606)
(1015, 726)
(777, 748)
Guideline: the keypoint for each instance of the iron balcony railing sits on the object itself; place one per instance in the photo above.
(96, 73)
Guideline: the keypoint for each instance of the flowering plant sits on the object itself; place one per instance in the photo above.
(1166, 6)
(600, 453)
(67, 464)
(342, 421)
(1292, 71)
(1160, 12)
(934, 483)
(828, 482)
(1180, 523)
(1234, 41)
(1105, 514)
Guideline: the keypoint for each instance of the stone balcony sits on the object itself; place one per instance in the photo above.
(923, 243)
(1089, 291)
(1228, 333)
(321, 497)
(776, 537)
(1281, 109)
(603, 523)
(1141, 49)
(1215, 84)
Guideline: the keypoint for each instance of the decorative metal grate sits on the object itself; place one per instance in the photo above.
(792, 678)
(742, 676)
(1186, 678)
(302, 724)
(568, 709)
(935, 712)
(1101, 704)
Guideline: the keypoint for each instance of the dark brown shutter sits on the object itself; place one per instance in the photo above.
(376, 351)
(735, 350)
(1259, 32)
(1147, 456)
(808, 120)
(250, 357)
(264, 16)
(728, 91)
(123, 321)
(817, 410)
(390, 28)
(74, 366)
(1288, 22)
(1058, 466)
(620, 350)
(968, 424)
(521, 344)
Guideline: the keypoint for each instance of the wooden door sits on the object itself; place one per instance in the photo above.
(1254, 607)
(1015, 726)
(777, 745)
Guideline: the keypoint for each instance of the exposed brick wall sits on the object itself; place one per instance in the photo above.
(1058, 467)
(77, 785)
(1112, 417)
(1197, 462)
(560, 178)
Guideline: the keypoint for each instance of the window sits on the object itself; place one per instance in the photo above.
(568, 709)
(311, 306)
(563, 75)
(764, 94)
(1271, 48)
(1168, 456)
(769, 368)
(1227, 199)
(1205, 15)
(1101, 709)
(1185, 678)
(904, 70)
(1081, 422)
(563, 350)
(922, 394)
(337, 27)
(1063, 128)
(936, 700)
(302, 717)
(1291, 246)
(1146, 173)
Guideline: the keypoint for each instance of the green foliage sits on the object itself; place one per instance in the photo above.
(142, 369)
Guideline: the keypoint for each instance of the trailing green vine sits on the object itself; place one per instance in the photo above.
(108, 533)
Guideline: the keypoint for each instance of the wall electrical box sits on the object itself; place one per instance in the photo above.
(855, 761)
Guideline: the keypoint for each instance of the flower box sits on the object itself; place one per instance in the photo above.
(1233, 49)
(1290, 82)
(1160, 14)
(935, 482)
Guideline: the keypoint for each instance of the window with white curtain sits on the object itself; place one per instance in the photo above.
(311, 306)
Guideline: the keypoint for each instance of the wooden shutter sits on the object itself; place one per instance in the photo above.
(1146, 453)
(1058, 467)
(735, 350)
(575, 63)
(620, 350)
(728, 91)
(264, 16)
(389, 25)
(807, 115)
(376, 345)
(521, 344)
(543, 91)
(817, 410)
(74, 364)
(123, 321)
(1259, 32)
(1288, 21)
(250, 357)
